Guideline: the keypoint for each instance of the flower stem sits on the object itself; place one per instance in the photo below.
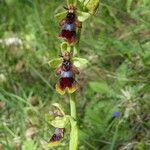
(73, 145)
(73, 106)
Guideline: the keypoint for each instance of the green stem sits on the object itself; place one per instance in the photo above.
(73, 145)
(73, 106)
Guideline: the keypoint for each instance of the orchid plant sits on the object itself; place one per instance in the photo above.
(67, 67)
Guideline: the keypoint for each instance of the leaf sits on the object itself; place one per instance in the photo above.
(121, 73)
(80, 62)
(114, 138)
(28, 3)
(29, 145)
(9, 2)
(100, 87)
(54, 63)
(59, 122)
(128, 5)
(92, 6)
(61, 15)
(82, 16)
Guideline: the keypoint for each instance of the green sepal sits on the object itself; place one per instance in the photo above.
(61, 16)
(92, 6)
(85, 2)
(64, 47)
(81, 1)
(75, 51)
(82, 16)
(49, 117)
(54, 63)
(80, 62)
(59, 107)
(73, 2)
(59, 122)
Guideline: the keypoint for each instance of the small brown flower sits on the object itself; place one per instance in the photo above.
(56, 137)
(67, 72)
(69, 25)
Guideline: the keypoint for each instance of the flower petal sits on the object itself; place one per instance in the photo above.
(56, 137)
(60, 90)
(73, 88)
(69, 36)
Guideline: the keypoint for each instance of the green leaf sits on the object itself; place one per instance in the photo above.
(9, 2)
(100, 87)
(59, 122)
(128, 5)
(28, 3)
(29, 145)
(121, 73)
(61, 15)
(54, 63)
(92, 6)
(80, 62)
(82, 16)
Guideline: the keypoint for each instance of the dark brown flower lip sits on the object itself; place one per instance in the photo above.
(57, 136)
(69, 36)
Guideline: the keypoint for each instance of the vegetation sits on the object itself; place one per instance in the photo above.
(113, 100)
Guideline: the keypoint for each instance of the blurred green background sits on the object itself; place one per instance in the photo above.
(116, 41)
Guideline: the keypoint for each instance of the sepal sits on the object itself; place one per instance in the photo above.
(57, 118)
(54, 63)
(80, 62)
(90, 5)
(59, 122)
(83, 16)
(59, 107)
(72, 2)
(60, 16)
